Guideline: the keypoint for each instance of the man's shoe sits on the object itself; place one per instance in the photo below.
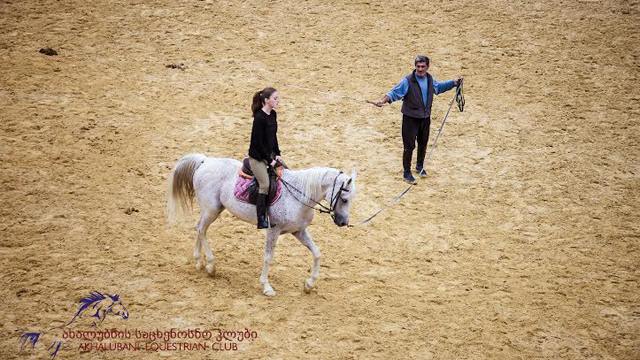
(408, 177)
(421, 172)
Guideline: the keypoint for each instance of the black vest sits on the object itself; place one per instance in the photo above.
(412, 104)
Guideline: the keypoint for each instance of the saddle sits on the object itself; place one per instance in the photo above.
(246, 188)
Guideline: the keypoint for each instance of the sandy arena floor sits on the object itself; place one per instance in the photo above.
(523, 242)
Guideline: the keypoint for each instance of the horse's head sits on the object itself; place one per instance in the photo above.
(341, 196)
(116, 307)
(98, 306)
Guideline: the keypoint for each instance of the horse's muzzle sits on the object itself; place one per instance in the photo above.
(341, 221)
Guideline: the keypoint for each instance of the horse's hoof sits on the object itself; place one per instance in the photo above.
(198, 265)
(211, 269)
(307, 287)
(269, 292)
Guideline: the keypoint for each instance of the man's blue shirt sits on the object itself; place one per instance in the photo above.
(400, 90)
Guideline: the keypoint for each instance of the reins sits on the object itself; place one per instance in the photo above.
(460, 102)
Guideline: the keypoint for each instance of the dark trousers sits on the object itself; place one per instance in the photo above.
(414, 129)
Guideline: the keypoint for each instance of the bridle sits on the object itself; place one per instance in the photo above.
(335, 196)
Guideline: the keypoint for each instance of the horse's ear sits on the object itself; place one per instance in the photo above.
(354, 174)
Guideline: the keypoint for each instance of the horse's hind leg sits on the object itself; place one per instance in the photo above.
(196, 248)
(206, 218)
(306, 240)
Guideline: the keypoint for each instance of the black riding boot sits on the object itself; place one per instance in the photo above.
(261, 211)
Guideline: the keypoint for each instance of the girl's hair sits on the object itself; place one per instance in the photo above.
(260, 97)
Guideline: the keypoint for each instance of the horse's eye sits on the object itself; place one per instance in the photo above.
(344, 201)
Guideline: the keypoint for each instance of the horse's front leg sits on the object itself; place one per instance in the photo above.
(269, 248)
(306, 240)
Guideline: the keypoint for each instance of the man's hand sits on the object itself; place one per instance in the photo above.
(381, 102)
(457, 82)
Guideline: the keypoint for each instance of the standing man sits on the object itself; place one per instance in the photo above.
(416, 91)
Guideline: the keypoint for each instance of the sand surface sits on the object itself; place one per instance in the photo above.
(521, 243)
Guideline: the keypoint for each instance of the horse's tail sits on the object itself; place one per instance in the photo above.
(181, 191)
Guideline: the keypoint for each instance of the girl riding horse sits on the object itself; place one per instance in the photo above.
(263, 149)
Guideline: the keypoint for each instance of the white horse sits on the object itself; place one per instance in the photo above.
(211, 181)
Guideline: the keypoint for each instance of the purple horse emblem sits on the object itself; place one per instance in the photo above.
(96, 307)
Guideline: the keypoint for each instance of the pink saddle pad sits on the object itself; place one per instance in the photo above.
(241, 191)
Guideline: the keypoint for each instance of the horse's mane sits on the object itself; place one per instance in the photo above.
(311, 180)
